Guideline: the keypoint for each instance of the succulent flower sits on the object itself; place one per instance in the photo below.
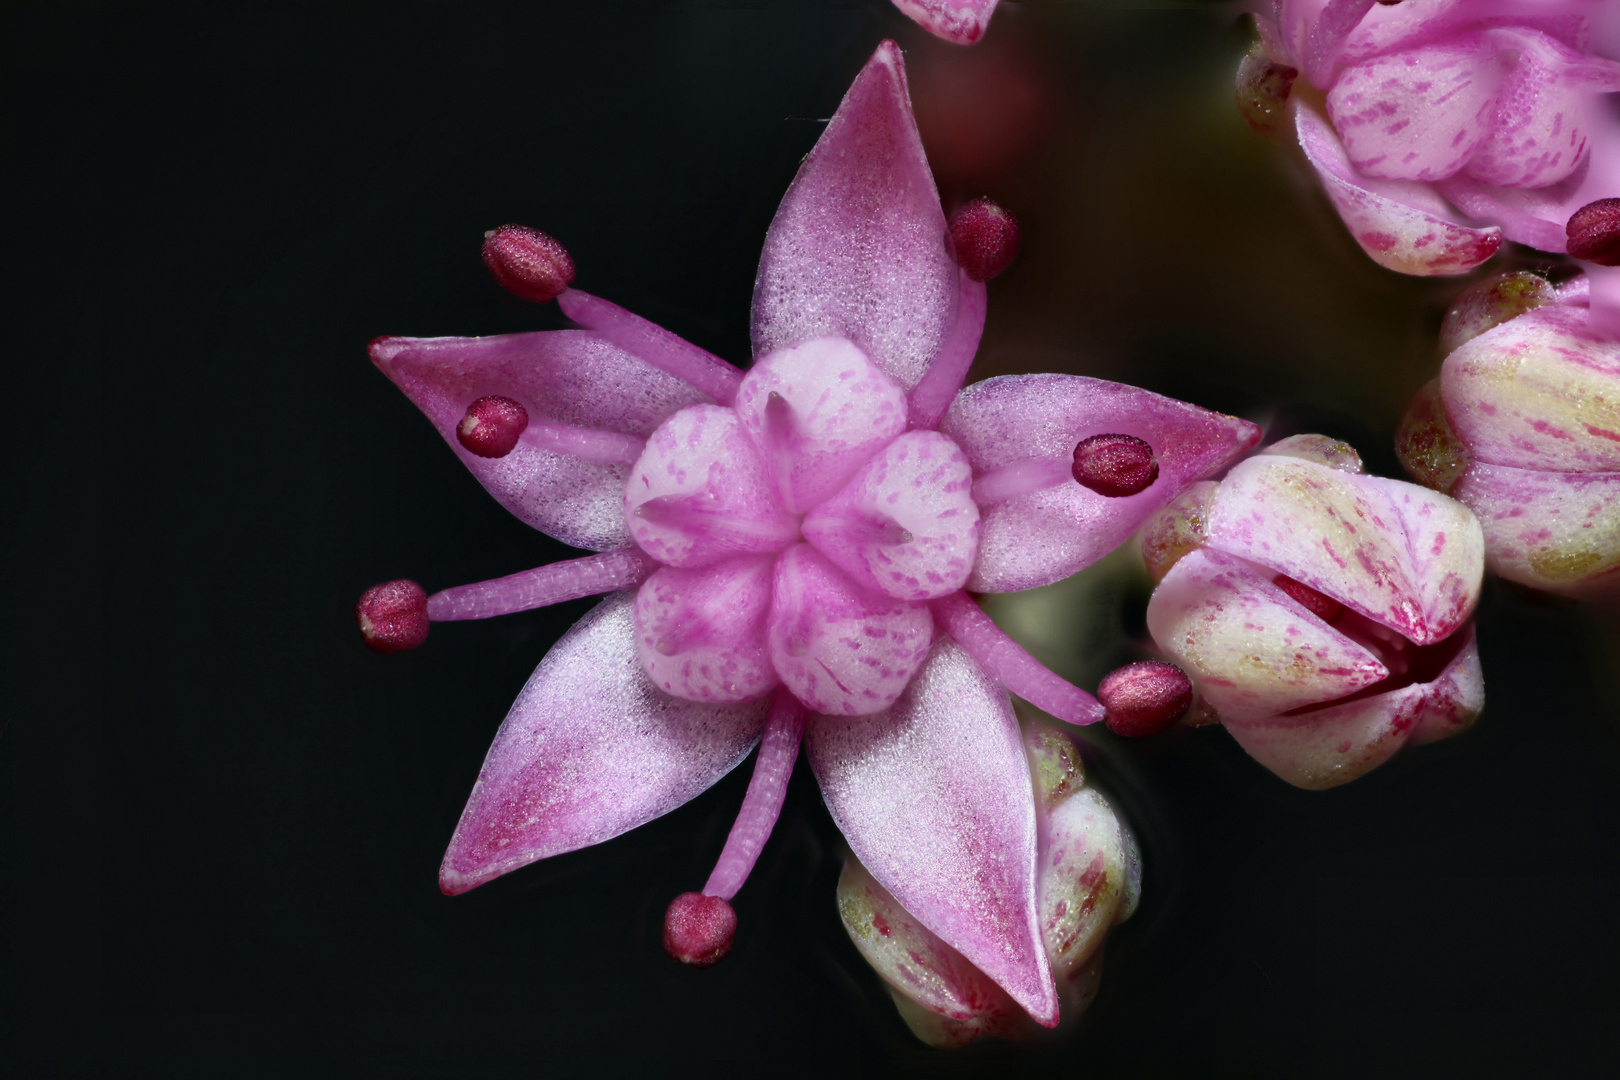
(1324, 615)
(1523, 426)
(788, 549)
(1454, 124)
(961, 21)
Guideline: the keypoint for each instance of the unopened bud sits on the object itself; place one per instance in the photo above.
(527, 263)
(393, 616)
(698, 929)
(1426, 445)
(1491, 303)
(492, 426)
(984, 239)
(1263, 86)
(1144, 698)
(1115, 465)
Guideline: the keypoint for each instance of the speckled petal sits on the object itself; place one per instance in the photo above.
(1177, 529)
(1548, 530)
(1453, 700)
(906, 524)
(1537, 392)
(840, 648)
(1082, 879)
(934, 796)
(1400, 554)
(857, 248)
(961, 21)
(589, 750)
(701, 633)
(567, 377)
(1401, 225)
(1252, 649)
(1538, 130)
(1045, 536)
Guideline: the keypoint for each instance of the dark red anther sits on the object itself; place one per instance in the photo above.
(1324, 607)
(1144, 698)
(1594, 232)
(984, 239)
(1115, 465)
(492, 426)
(393, 616)
(698, 929)
(527, 263)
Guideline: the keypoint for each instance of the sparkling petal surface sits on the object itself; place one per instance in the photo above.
(1554, 531)
(961, 21)
(906, 524)
(840, 648)
(1402, 555)
(1047, 535)
(1082, 879)
(701, 633)
(934, 797)
(857, 249)
(589, 750)
(1251, 648)
(566, 377)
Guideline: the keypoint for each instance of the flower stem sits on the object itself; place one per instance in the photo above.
(1004, 659)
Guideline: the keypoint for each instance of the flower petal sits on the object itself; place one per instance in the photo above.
(840, 648)
(1558, 531)
(1538, 131)
(1047, 535)
(961, 21)
(1401, 225)
(566, 376)
(1453, 700)
(1402, 555)
(857, 248)
(1251, 648)
(589, 750)
(1537, 392)
(1082, 879)
(701, 633)
(934, 796)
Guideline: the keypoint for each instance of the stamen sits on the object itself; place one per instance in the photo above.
(492, 426)
(984, 239)
(698, 929)
(1004, 659)
(932, 396)
(393, 616)
(697, 512)
(587, 444)
(527, 263)
(1115, 465)
(652, 343)
(1321, 605)
(1145, 698)
(540, 587)
(1594, 232)
(1019, 478)
(778, 750)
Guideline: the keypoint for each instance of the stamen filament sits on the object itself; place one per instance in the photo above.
(587, 444)
(1020, 478)
(1004, 659)
(654, 344)
(542, 586)
(778, 750)
(931, 398)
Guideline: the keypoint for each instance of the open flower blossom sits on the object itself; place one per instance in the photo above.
(1450, 124)
(1523, 426)
(961, 21)
(1324, 615)
(788, 549)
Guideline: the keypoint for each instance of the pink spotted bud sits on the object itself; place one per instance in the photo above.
(1594, 232)
(492, 426)
(1115, 465)
(527, 263)
(983, 239)
(698, 929)
(393, 616)
(1144, 698)
(1321, 605)
(1263, 86)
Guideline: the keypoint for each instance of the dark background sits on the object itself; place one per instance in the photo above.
(224, 817)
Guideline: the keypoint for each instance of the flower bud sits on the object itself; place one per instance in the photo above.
(1263, 86)
(527, 263)
(984, 239)
(1492, 302)
(393, 616)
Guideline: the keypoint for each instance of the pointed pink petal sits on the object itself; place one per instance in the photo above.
(857, 248)
(1454, 699)
(1251, 648)
(934, 796)
(1558, 531)
(1401, 225)
(590, 749)
(1537, 392)
(1047, 535)
(840, 648)
(564, 376)
(961, 21)
(701, 633)
(906, 524)
(1401, 555)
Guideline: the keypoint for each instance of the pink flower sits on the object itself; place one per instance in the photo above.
(961, 21)
(1523, 426)
(794, 541)
(1454, 123)
(1324, 615)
